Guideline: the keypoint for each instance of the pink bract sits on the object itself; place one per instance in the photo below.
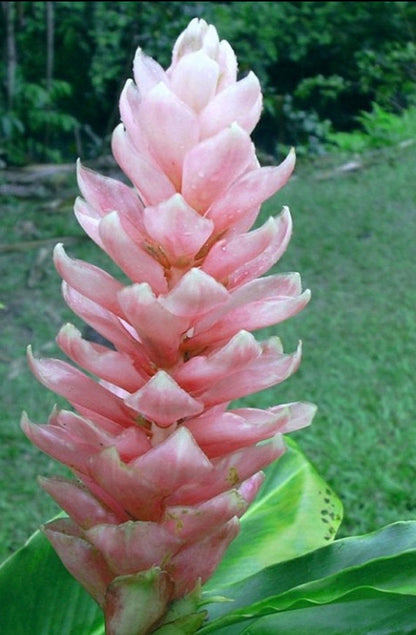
(164, 467)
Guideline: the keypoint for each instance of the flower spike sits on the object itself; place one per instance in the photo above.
(163, 467)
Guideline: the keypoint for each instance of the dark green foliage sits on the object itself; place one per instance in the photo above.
(320, 65)
(322, 62)
(37, 128)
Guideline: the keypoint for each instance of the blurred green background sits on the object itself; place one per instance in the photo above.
(321, 66)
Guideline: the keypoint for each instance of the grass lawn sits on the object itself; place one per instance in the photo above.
(354, 245)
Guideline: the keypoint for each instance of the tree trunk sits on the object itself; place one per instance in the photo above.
(50, 48)
(11, 56)
(50, 54)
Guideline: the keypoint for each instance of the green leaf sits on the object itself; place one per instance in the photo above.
(39, 597)
(183, 616)
(186, 625)
(370, 567)
(294, 513)
(384, 614)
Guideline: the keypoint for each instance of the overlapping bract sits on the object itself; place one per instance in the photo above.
(164, 468)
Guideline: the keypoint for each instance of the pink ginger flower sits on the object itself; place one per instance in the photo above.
(164, 468)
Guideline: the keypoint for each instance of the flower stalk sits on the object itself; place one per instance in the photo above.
(164, 466)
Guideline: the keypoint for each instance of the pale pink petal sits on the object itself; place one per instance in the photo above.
(81, 559)
(195, 294)
(228, 471)
(268, 369)
(265, 248)
(137, 263)
(198, 561)
(105, 422)
(90, 431)
(240, 102)
(177, 228)
(116, 390)
(142, 486)
(301, 415)
(214, 164)
(163, 401)
(220, 433)
(171, 129)
(133, 546)
(252, 317)
(108, 325)
(250, 487)
(131, 488)
(159, 330)
(247, 193)
(245, 257)
(276, 285)
(197, 35)
(101, 495)
(58, 443)
(210, 40)
(190, 523)
(200, 372)
(113, 366)
(79, 503)
(106, 194)
(174, 463)
(130, 105)
(77, 388)
(234, 469)
(186, 80)
(255, 305)
(87, 279)
(151, 183)
(147, 72)
(228, 64)
(89, 219)
(131, 443)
